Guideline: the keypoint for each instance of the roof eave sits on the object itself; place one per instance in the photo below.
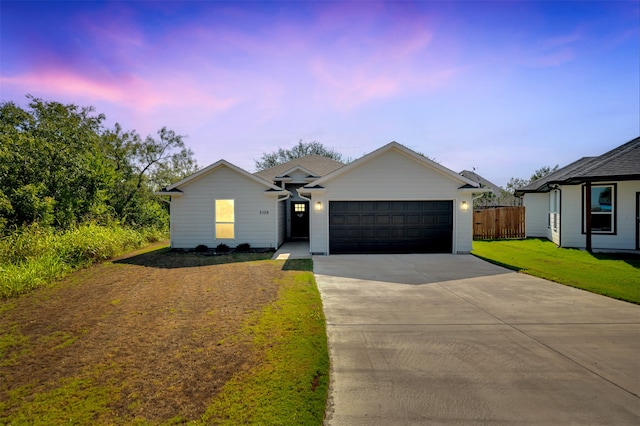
(171, 193)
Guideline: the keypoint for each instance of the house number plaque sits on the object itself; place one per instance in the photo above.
(264, 211)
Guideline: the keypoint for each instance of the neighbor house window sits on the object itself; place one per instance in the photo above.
(554, 209)
(225, 219)
(602, 209)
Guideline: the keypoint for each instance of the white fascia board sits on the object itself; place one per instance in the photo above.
(312, 190)
(217, 165)
(403, 149)
(476, 190)
(293, 169)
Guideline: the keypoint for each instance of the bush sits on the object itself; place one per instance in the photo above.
(201, 248)
(34, 255)
(222, 248)
(243, 248)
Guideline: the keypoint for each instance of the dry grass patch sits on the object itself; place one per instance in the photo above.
(151, 338)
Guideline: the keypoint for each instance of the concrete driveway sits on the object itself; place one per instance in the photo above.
(451, 339)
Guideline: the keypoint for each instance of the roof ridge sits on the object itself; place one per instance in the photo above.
(613, 154)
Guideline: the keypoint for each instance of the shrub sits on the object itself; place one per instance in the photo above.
(243, 248)
(34, 255)
(222, 248)
(201, 248)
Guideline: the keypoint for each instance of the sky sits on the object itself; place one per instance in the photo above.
(504, 87)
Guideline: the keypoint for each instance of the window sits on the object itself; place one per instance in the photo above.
(225, 219)
(299, 207)
(602, 209)
(554, 209)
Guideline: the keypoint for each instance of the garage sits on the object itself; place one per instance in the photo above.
(390, 226)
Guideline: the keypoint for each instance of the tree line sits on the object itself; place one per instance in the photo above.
(61, 166)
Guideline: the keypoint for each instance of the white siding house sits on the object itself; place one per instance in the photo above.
(396, 174)
(392, 200)
(256, 211)
(611, 221)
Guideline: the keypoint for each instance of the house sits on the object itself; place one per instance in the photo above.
(593, 203)
(392, 200)
(492, 198)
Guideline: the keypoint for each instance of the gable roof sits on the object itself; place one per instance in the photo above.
(403, 149)
(621, 163)
(173, 188)
(317, 165)
(481, 181)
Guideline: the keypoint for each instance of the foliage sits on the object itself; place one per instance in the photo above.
(222, 248)
(612, 275)
(291, 385)
(280, 156)
(60, 166)
(507, 196)
(35, 255)
(201, 248)
(244, 247)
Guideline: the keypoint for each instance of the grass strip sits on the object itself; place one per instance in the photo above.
(613, 275)
(290, 384)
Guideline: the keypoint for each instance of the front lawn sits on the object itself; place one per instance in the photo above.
(165, 338)
(613, 275)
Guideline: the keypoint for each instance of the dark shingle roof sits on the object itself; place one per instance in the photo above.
(621, 163)
(480, 180)
(316, 164)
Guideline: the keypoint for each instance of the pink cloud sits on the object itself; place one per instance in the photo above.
(552, 51)
(137, 93)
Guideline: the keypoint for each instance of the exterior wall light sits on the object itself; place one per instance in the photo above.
(319, 206)
(464, 206)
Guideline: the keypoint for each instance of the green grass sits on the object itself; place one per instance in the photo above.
(75, 401)
(34, 256)
(290, 386)
(613, 275)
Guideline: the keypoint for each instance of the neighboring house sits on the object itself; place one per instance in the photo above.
(488, 199)
(593, 203)
(392, 200)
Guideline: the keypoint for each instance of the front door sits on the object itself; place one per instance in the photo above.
(299, 219)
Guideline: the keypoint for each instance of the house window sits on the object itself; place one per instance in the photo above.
(225, 219)
(554, 209)
(602, 209)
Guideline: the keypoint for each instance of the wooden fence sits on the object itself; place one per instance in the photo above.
(498, 222)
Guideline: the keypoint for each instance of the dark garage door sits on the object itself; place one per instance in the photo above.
(390, 226)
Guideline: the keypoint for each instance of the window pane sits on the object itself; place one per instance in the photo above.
(224, 211)
(299, 207)
(224, 230)
(601, 222)
(601, 199)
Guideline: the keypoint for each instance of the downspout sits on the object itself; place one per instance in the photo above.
(286, 197)
(587, 202)
(305, 198)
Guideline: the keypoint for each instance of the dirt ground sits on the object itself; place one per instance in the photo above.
(160, 329)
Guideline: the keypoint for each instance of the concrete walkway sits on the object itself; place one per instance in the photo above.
(293, 250)
(446, 339)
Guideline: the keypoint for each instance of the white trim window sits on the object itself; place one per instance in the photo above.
(603, 209)
(225, 219)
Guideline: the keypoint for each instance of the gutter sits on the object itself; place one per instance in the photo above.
(286, 197)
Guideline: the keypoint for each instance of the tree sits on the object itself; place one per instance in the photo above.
(508, 194)
(51, 163)
(59, 166)
(281, 156)
(145, 166)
